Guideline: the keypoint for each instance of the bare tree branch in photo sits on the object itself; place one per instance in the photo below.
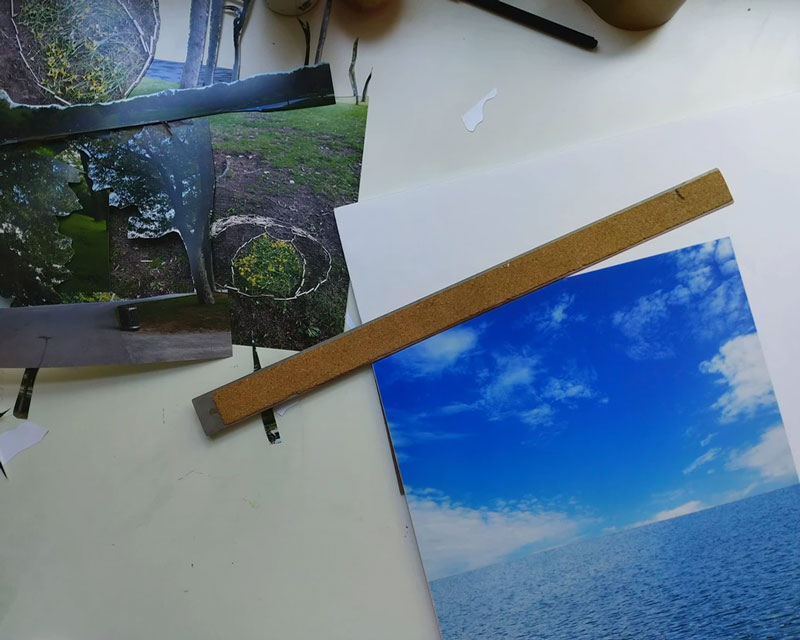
(306, 27)
(323, 31)
(198, 24)
(352, 71)
(239, 22)
(214, 35)
(148, 46)
(366, 86)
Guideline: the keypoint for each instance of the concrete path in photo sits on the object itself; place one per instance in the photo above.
(69, 335)
(158, 347)
(61, 336)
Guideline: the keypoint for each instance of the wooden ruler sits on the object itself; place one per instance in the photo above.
(413, 323)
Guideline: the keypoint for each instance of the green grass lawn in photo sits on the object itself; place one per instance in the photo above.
(318, 147)
(147, 86)
(89, 264)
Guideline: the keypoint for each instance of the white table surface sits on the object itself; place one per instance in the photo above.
(127, 522)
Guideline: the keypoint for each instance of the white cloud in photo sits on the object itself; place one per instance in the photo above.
(685, 509)
(454, 538)
(739, 494)
(693, 257)
(740, 363)
(705, 441)
(513, 390)
(698, 280)
(455, 408)
(708, 288)
(421, 437)
(645, 312)
(707, 457)
(640, 324)
(695, 265)
(418, 429)
(725, 258)
(555, 316)
(771, 457)
(726, 300)
(511, 375)
(436, 354)
(562, 389)
(670, 496)
(538, 417)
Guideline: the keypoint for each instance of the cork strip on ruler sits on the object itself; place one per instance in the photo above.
(393, 332)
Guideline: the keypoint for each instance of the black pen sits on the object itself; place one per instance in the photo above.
(537, 22)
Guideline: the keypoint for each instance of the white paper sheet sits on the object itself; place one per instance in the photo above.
(403, 247)
(18, 439)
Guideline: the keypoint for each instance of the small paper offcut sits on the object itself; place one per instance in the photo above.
(474, 116)
(285, 407)
(18, 439)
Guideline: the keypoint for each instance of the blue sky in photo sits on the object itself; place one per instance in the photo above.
(608, 400)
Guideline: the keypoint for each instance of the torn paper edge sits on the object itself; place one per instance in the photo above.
(474, 116)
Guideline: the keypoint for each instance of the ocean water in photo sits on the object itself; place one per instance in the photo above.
(730, 572)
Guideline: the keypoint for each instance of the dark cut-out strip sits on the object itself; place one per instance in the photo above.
(23, 404)
(268, 416)
(5, 475)
(303, 87)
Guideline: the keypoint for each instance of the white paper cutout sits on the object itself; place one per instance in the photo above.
(474, 116)
(18, 439)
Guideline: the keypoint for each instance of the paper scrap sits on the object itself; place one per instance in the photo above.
(18, 439)
(285, 407)
(474, 116)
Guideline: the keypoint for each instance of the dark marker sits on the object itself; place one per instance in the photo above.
(537, 22)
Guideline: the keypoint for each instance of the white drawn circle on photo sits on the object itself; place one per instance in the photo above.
(307, 248)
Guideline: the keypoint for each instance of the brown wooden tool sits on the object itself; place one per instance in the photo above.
(415, 322)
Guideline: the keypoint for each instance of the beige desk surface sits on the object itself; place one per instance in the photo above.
(126, 522)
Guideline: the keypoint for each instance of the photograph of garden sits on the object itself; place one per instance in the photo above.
(275, 243)
(194, 220)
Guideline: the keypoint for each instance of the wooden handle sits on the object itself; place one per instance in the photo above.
(395, 331)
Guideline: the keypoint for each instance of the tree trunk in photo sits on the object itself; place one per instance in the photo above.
(239, 24)
(306, 27)
(166, 173)
(99, 198)
(214, 35)
(323, 30)
(352, 71)
(366, 86)
(198, 263)
(198, 24)
(196, 227)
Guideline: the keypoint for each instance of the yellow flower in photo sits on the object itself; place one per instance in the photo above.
(269, 267)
